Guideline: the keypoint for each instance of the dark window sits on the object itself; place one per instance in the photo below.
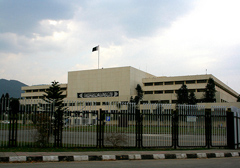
(143, 102)
(190, 82)
(71, 104)
(164, 101)
(35, 90)
(154, 101)
(168, 83)
(168, 91)
(191, 90)
(27, 91)
(158, 92)
(179, 82)
(158, 83)
(124, 102)
(148, 84)
(174, 101)
(202, 81)
(88, 103)
(105, 103)
(200, 90)
(42, 90)
(63, 88)
(148, 92)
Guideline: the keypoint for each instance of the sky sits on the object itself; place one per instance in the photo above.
(41, 41)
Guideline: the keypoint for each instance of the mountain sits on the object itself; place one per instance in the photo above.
(12, 87)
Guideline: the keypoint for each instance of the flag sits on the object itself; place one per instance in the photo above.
(95, 49)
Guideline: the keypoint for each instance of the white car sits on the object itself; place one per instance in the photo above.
(5, 122)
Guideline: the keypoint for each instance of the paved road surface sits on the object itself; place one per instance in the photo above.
(180, 163)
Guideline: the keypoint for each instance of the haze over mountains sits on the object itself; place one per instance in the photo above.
(12, 87)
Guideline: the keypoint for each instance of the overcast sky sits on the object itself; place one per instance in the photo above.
(40, 41)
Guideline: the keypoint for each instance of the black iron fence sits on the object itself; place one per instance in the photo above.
(146, 126)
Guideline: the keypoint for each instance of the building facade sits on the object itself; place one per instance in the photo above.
(104, 86)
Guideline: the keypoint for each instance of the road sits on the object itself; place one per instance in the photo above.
(167, 163)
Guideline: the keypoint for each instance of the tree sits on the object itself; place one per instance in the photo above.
(192, 99)
(182, 95)
(209, 95)
(55, 98)
(139, 94)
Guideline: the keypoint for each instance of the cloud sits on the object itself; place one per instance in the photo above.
(41, 41)
(23, 16)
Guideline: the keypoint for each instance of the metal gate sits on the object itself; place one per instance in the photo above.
(119, 125)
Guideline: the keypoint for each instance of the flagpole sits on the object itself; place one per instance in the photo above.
(98, 55)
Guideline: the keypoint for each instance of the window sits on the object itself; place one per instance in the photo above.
(168, 83)
(63, 88)
(143, 102)
(168, 91)
(179, 82)
(35, 90)
(165, 101)
(174, 101)
(79, 103)
(191, 90)
(154, 101)
(190, 82)
(158, 83)
(148, 92)
(88, 103)
(202, 81)
(148, 84)
(105, 103)
(97, 103)
(42, 90)
(114, 103)
(124, 102)
(200, 90)
(71, 104)
(158, 92)
(28, 91)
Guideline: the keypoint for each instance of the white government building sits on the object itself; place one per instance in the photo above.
(104, 86)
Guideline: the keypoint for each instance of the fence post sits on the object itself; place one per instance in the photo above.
(100, 129)
(175, 128)
(138, 129)
(230, 130)
(13, 112)
(208, 127)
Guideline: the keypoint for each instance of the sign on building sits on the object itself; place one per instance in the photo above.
(98, 94)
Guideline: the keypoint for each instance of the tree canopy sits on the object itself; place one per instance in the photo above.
(192, 99)
(209, 95)
(139, 94)
(55, 98)
(182, 95)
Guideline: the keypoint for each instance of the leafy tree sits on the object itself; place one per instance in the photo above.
(55, 98)
(139, 94)
(182, 95)
(14, 105)
(192, 99)
(2, 103)
(209, 95)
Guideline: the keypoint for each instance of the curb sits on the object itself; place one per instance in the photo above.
(116, 157)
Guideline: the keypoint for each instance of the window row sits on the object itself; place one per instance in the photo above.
(41, 90)
(175, 82)
(171, 91)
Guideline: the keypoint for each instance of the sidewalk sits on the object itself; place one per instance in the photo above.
(115, 155)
